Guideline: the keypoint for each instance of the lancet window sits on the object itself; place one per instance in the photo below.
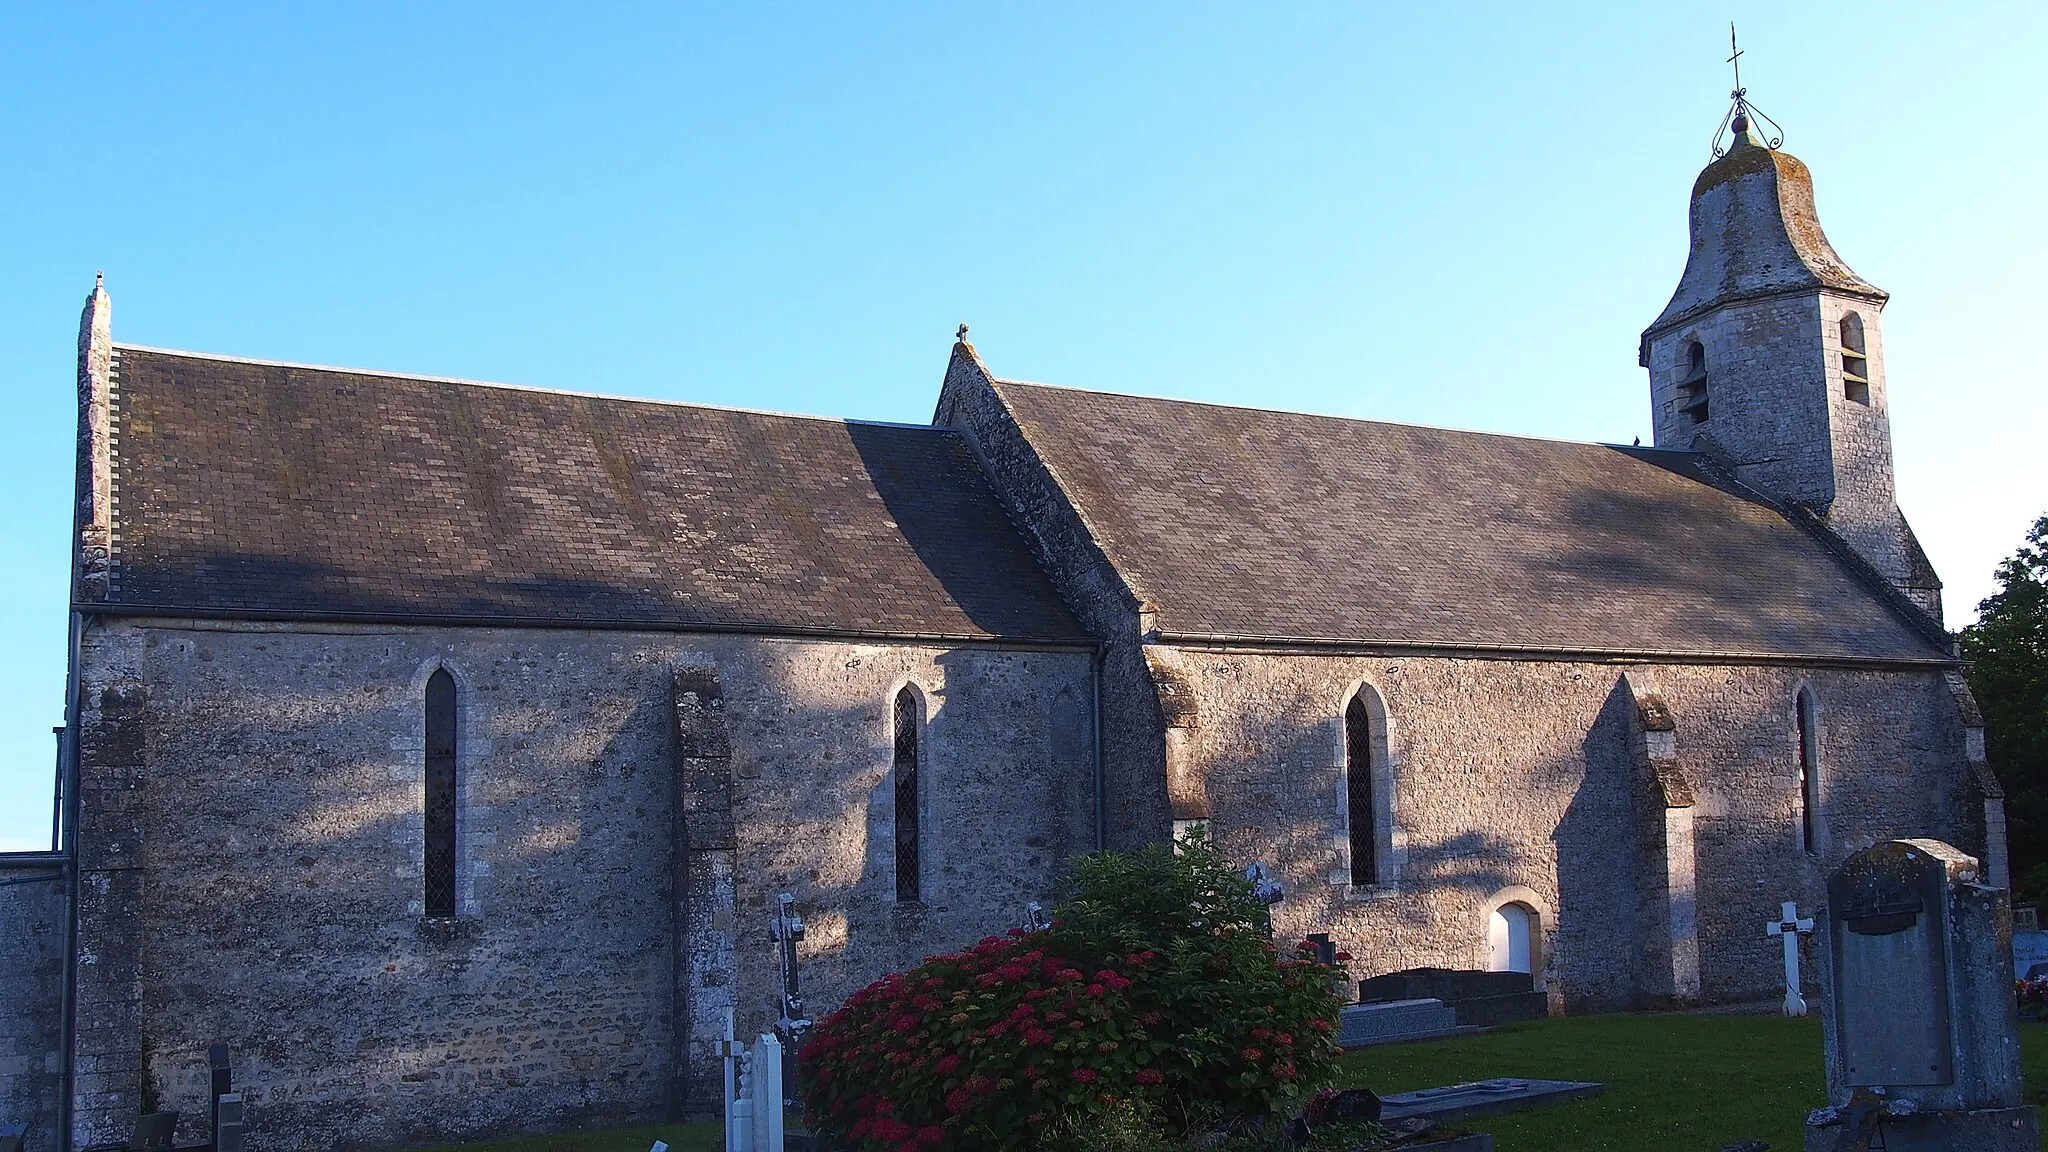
(1809, 772)
(440, 795)
(1358, 789)
(909, 887)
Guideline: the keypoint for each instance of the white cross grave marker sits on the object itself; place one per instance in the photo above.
(1791, 927)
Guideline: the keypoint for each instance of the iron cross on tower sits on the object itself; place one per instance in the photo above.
(1791, 927)
(1741, 113)
(1735, 58)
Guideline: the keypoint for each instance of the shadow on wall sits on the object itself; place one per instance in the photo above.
(313, 792)
(1006, 801)
(1559, 823)
(1599, 865)
(34, 905)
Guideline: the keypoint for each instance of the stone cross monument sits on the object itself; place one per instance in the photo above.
(1790, 926)
(1916, 996)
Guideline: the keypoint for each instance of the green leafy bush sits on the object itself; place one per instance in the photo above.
(1155, 999)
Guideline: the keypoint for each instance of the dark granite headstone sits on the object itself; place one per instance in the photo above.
(1480, 999)
(1445, 984)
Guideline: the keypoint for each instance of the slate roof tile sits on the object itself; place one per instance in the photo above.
(321, 492)
(1254, 523)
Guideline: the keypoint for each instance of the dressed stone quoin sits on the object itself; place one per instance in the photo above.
(445, 746)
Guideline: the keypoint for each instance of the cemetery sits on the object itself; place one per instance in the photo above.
(1153, 1009)
(1913, 1040)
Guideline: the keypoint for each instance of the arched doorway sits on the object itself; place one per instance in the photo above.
(1508, 932)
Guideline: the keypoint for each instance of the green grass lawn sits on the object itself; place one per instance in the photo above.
(1674, 1084)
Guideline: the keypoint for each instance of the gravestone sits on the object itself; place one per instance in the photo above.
(1267, 890)
(2028, 950)
(1921, 1028)
(220, 1083)
(1790, 928)
(1324, 950)
(229, 1131)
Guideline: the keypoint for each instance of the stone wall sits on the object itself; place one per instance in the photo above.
(277, 905)
(1528, 777)
(32, 914)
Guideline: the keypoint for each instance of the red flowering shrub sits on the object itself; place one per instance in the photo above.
(2033, 996)
(1154, 993)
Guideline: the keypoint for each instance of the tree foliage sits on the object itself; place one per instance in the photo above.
(2008, 652)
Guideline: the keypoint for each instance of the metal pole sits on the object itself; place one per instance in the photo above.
(1101, 799)
(68, 847)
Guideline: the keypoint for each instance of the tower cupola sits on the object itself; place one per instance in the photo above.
(1770, 356)
(1755, 234)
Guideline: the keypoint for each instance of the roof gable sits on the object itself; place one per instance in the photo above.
(274, 489)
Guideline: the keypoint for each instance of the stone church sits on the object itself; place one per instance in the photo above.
(442, 746)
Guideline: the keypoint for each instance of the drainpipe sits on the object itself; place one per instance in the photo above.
(67, 846)
(1101, 801)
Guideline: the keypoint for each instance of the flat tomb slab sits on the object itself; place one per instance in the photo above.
(1363, 1025)
(1483, 1098)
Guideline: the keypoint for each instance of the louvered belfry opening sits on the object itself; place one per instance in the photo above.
(907, 886)
(1692, 391)
(440, 797)
(1358, 786)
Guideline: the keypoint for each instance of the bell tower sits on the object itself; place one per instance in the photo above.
(1770, 356)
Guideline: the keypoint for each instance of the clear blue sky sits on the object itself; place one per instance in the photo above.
(1458, 215)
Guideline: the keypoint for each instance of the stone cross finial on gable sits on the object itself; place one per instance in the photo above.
(962, 334)
(1791, 927)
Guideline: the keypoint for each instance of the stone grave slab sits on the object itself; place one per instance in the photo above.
(1482, 1098)
(1363, 1025)
(1480, 999)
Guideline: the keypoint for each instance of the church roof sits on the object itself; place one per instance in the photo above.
(1266, 525)
(280, 490)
